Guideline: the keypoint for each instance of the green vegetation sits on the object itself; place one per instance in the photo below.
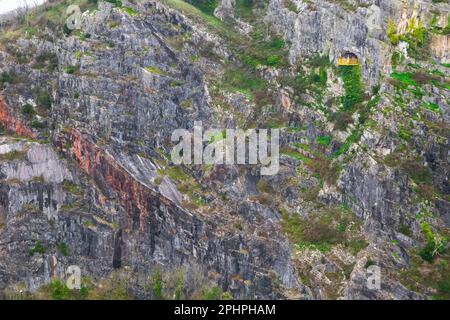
(13, 155)
(157, 285)
(37, 248)
(116, 3)
(35, 124)
(44, 99)
(52, 14)
(28, 110)
(405, 78)
(215, 293)
(416, 36)
(324, 140)
(443, 288)
(392, 32)
(354, 93)
(424, 274)
(251, 53)
(353, 138)
(353, 99)
(187, 185)
(312, 76)
(157, 71)
(404, 134)
(72, 188)
(63, 249)
(413, 81)
(321, 167)
(404, 229)
(432, 107)
(130, 11)
(58, 290)
(323, 230)
(6, 78)
(244, 81)
(436, 244)
(207, 6)
(72, 69)
(172, 285)
(416, 171)
(186, 104)
(291, 6)
(261, 52)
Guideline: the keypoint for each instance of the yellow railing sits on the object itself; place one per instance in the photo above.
(348, 62)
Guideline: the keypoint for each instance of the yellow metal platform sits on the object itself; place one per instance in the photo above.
(348, 61)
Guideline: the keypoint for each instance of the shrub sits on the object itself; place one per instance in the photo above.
(63, 249)
(215, 293)
(273, 61)
(324, 140)
(38, 248)
(436, 244)
(28, 110)
(404, 134)
(404, 229)
(72, 69)
(6, 78)
(277, 43)
(59, 290)
(432, 106)
(392, 32)
(35, 124)
(444, 286)
(157, 285)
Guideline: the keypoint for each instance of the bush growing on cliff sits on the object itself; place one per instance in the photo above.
(392, 32)
(8, 77)
(436, 244)
(72, 69)
(5, 77)
(28, 110)
(207, 6)
(63, 249)
(37, 248)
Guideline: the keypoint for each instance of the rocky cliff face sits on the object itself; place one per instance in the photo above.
(87, 180)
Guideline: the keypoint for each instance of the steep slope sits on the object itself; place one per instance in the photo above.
(364, 167)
